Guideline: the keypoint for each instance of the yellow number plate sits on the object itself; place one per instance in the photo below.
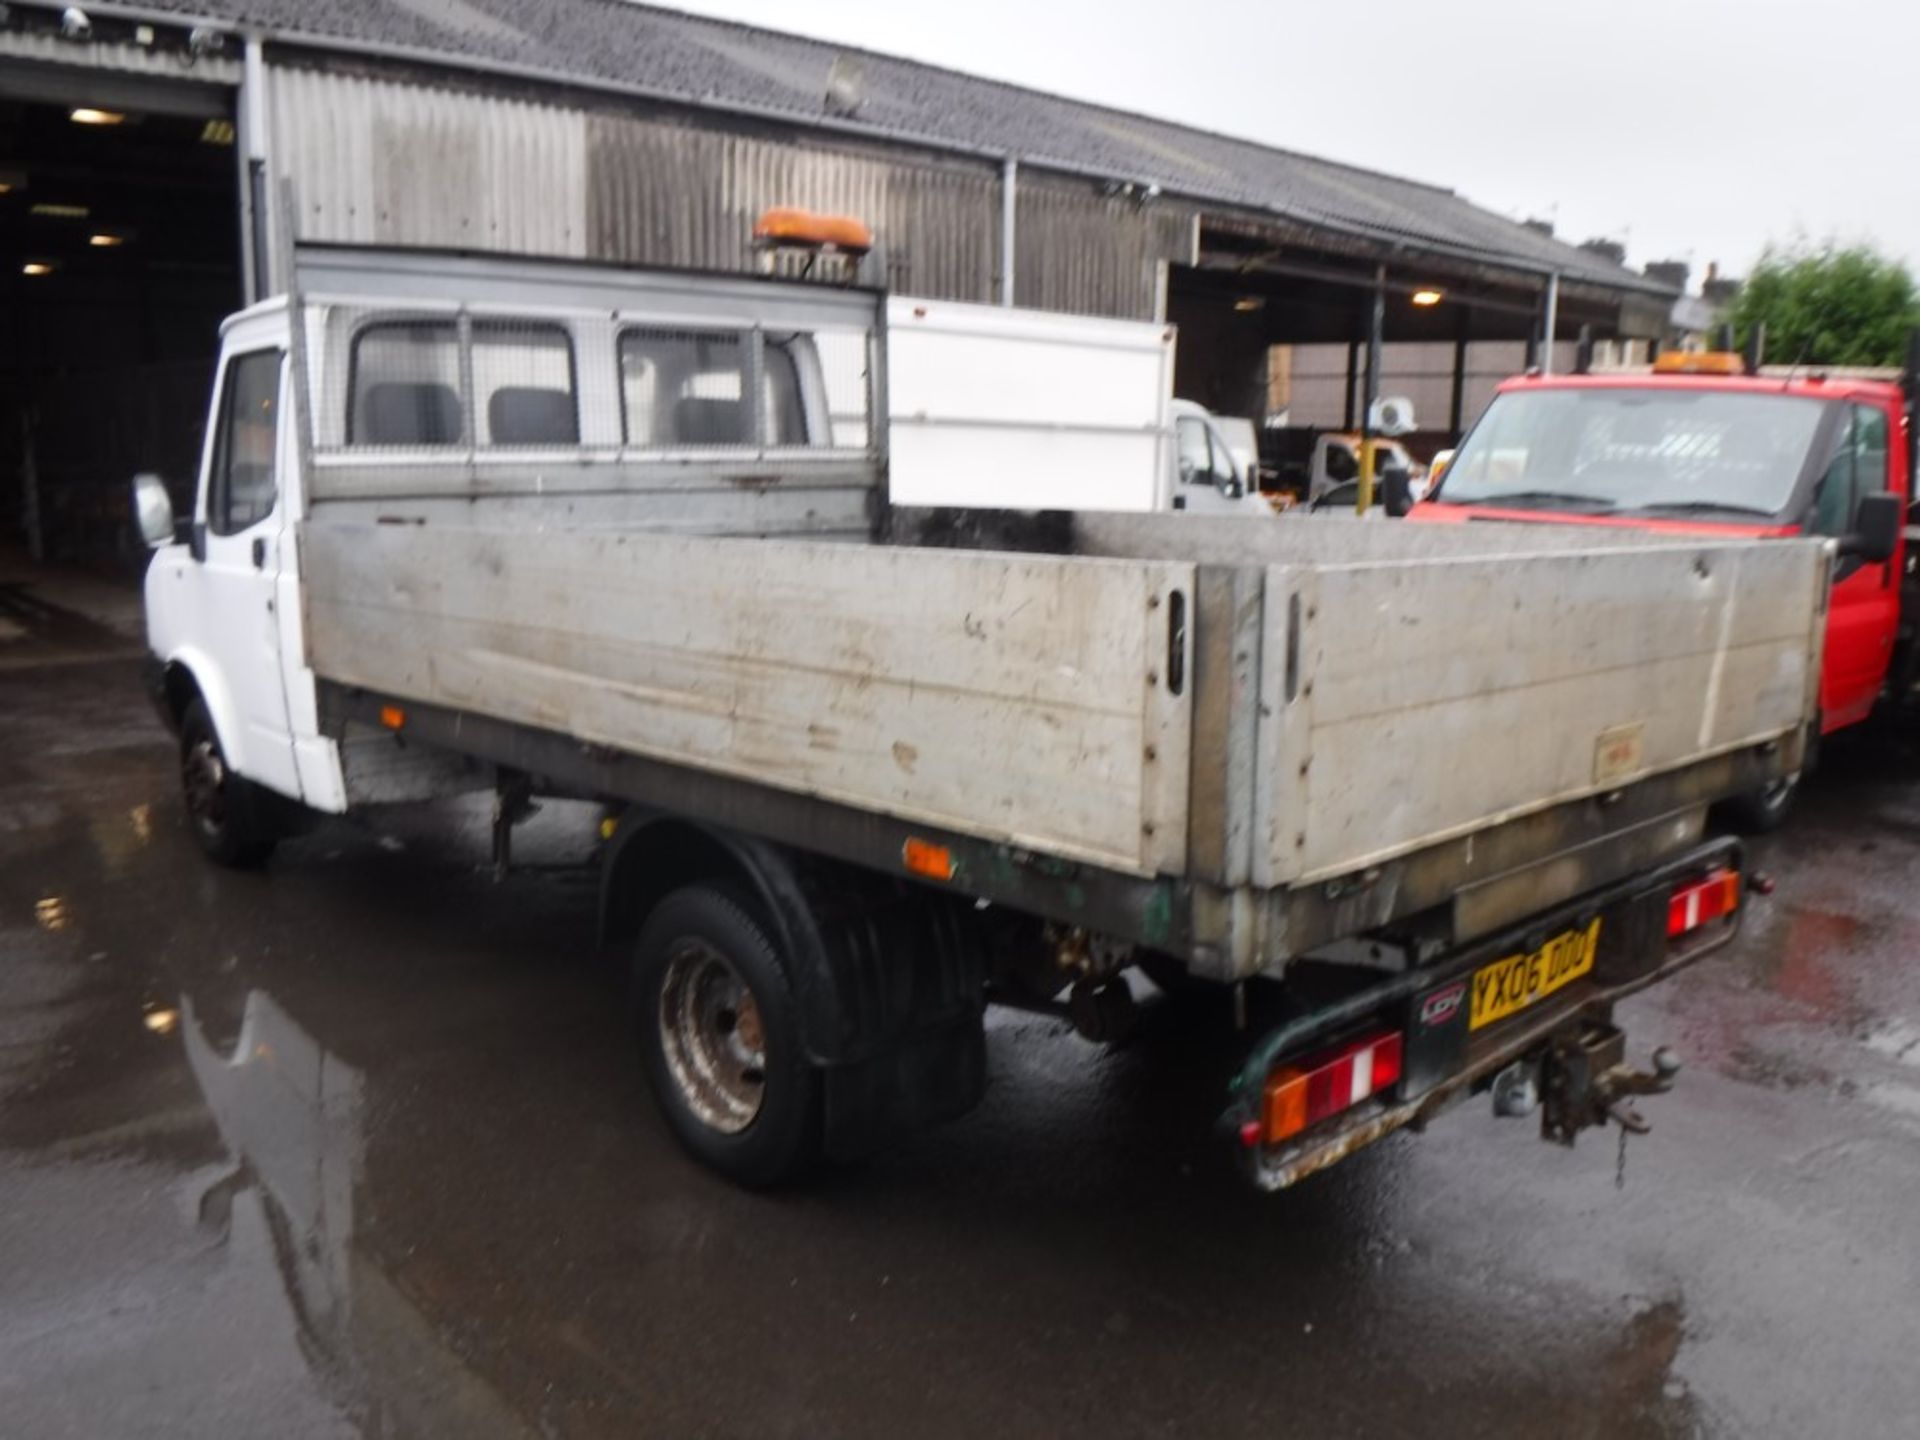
(1509, 986)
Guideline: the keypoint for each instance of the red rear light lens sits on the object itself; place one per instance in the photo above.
(1701, 902)
(1300, 1095)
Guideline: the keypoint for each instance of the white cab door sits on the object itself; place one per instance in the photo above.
(239, 528)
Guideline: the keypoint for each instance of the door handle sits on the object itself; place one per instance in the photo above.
(259, 552)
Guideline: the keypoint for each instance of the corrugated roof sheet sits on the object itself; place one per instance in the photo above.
(705, 61)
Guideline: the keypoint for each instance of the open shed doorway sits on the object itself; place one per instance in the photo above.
(119, 256)
(1280, 337)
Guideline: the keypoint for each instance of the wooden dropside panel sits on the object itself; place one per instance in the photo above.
(1011, 697)
(1436, 698)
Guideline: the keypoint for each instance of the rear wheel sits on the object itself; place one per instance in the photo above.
(720, 1035)
(225, 810)
(1759, 812)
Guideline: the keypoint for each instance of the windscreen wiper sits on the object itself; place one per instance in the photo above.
(1541, 500)
(1699, 507)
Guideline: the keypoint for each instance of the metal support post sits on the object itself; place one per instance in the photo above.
(1347, 421)
(1009, 192)
(1363, 498)
(256, 203)
(1550, 322)
(1456, 408)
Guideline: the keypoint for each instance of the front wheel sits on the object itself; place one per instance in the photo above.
(1762, 811)
(225, 810)
(720, 1036)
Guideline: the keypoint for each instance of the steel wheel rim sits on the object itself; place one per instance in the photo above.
(713, 1038)
(1774, 795)
(204, 777)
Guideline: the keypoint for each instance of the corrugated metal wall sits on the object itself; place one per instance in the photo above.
(382, 160)
(677, 194)
(1079, 251)
(378, 161)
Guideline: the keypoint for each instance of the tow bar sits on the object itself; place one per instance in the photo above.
(1581, 1079)
(1584, 1080)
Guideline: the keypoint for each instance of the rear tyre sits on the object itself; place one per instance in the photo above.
(226, 812)
(720, 1036)
(1762, 811)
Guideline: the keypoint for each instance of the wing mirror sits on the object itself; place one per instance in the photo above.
(1230, 486)
(1877, 520)
(153, 510)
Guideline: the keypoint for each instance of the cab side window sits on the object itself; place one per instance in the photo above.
(1859, 468)
(1196, 453)
(1869, 450)
(1833, 502)
(243, 485)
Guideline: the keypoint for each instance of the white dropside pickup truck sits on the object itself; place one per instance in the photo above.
(551, 528)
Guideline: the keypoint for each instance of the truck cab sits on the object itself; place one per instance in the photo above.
(223, 602)
(223, 592)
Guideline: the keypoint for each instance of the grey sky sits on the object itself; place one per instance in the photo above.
(1693, 129)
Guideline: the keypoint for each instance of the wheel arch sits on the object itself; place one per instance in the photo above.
(187, 675)
(651, 855)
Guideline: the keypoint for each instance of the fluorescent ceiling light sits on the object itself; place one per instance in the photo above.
(53, 210)
(87, 115)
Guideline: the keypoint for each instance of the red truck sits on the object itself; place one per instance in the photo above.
(1698, 446)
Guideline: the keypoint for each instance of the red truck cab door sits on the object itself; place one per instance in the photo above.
(1863, 613)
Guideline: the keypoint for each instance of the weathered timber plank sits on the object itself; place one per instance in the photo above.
(1006, 696)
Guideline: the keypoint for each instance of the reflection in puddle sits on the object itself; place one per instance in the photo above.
(51, 912)
(290, 1113)
(292, 1116)
(120, 835)
(161, 1020)
(1800, 965)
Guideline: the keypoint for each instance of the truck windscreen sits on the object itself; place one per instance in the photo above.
(1622, 448)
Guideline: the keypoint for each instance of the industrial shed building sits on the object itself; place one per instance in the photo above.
(155, 159)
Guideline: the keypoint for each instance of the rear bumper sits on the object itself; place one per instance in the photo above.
(1634, 911)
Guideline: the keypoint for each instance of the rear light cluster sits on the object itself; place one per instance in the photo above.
(1701, 902)
(1304, 1094)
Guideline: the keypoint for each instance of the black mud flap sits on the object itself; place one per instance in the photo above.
(938, 1073)
(893, 1001)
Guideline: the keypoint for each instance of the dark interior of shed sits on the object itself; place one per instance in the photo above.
(119, 255)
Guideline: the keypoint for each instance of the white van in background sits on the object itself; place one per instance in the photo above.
(1216, 463)
(994, 408)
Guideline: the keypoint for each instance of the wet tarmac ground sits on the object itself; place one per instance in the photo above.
(359, 1146)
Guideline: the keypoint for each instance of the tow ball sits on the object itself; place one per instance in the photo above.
(1581, 1079)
